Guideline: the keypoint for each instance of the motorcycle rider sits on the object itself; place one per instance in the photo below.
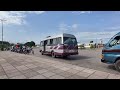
(21, 49)
(17, 47)
(28, 49)
(32, 50)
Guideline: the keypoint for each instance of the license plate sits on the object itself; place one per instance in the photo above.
(71, 51)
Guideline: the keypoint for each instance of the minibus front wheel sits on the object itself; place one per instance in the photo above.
(117, 65)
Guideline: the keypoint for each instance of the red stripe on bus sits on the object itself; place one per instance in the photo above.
(111, 50)
(55, 47)
(51, 47)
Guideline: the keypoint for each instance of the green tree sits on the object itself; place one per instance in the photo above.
(30, 44)
(5, 45)
(92, 46)
(81, 46)
(91, 41)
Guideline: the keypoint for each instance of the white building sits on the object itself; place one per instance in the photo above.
(86, 45)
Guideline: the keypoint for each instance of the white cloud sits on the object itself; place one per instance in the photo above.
(85, 12)
(68, 28)
(82, 12)
(75, 26)
(112, 28)
(63, 27)
(17, 17)
(41, 36)
(22, 31)
(87, 36)
(36, 12)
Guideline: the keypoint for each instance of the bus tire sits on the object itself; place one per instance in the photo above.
(117, 65)
(53, 55)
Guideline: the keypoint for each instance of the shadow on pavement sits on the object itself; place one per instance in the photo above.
(77, 57)
(111, 67)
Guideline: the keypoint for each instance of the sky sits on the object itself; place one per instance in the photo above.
(24, 26)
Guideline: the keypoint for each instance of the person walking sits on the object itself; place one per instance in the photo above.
(32, 50)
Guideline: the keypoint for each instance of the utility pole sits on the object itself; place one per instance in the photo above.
(2, 20)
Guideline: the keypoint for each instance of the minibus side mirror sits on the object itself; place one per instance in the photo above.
(110, 45)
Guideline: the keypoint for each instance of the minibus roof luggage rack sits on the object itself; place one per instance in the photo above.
(48, 36)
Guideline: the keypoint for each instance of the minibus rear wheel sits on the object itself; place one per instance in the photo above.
(117, 65)
(53, 55)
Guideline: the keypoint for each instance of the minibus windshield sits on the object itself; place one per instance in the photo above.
(69, 40)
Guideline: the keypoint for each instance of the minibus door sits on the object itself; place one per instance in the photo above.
(44, 46)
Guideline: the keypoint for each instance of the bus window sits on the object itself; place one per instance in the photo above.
(51, 41)
(48, 42)
(57, 41)
(69, 40)
(54, 41)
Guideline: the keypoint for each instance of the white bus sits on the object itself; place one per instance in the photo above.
(59, 45)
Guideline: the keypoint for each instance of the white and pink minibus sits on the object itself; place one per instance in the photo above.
(60, 45)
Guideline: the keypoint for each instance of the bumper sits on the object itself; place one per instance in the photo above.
(65, 54)
(103, 61)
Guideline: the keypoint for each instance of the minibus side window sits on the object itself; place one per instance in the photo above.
(58, 40)
(48, 42)
(54, 41)
(51, 41)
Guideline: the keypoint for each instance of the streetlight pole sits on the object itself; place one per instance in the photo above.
(2, 20)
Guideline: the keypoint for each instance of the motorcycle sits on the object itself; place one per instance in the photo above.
(27, 50)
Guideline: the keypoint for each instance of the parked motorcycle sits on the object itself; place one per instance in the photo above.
(25, 50)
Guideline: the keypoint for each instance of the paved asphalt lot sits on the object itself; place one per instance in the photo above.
(20, 66)
(86, 58)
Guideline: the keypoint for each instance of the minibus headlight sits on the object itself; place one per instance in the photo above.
(102, 56)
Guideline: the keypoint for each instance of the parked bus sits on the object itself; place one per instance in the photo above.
(60, 45)
(111, 51)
